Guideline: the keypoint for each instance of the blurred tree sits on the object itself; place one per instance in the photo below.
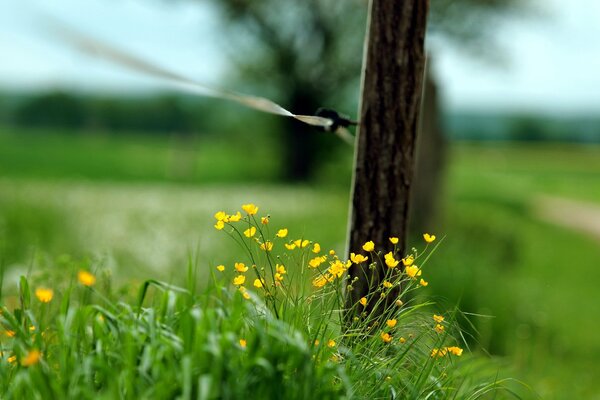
(306, 55)
(53, 109)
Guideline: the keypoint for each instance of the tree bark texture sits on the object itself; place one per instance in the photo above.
(392, 80)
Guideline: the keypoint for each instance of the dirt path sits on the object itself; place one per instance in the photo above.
(573, 214)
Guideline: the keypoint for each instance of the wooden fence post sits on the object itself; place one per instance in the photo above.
(392, 80)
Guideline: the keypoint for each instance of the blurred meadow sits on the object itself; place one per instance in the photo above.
(128, 180)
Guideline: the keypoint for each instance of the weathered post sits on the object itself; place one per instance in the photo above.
(392, 80)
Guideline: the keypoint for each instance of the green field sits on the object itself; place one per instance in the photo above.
(141, 207)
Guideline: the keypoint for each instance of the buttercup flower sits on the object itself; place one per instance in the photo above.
(32, 358)
(220, 225)
(239, 280)
(423, 282)
(391, 323)
(358, 258)
(387, 284)
(386, 337)
(369, 246)
(44, 295)
(428, 238)
(363, 301)
(316, 248)
(390, 261)
(320, 281)
(290, 246)
(220, 268)
(243, 343)
(220, 215)
(264, 220)
(85, 278)
(413, 271)
(438, 318)
(331, 343)
(259, 283)
(250, 232)
(439, 328)
(394, 240)
(402, 340)
(251, 209)
(236, 217)
(241, 267)
(282, 233)
(301, 243)
(266, 246)
(280, 269)
(457, 351)
(408, 261)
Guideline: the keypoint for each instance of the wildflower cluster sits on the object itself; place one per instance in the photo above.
(22, 347)
(269, 256)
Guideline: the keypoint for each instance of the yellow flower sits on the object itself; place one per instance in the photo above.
(457, 351)
(428, 238)
(301, 243)
(251, 209)
(241, 267)
(390, 261)
(316, 248)
(402, 340)
(394, 240)
(280, 269)
(243, 343)
(413, 271)
(278, 277)
(11, 359)
(259, 283)
(236, 217)
(290, 246)
(315, 262)
(220, 225)
(423, 282)
(358, 258)
(363, 301)
(10, 333)
(386, 337)
(438, 318)
(387, 284)
(220, 268)
(220, 215)
(439, 352)
(44, 295)
(317, 342)
(250, 232)
(245, 293)
(282, 233)
(331, 343)
(399, 303)
(337, 268)
(264, 220)
(320, 281)
(85, 278)
(439, 328)
(239, 280)
(391, 323)
(408, 261)
(369, 246)
(32, 358)
(266, 246)
(332, 252)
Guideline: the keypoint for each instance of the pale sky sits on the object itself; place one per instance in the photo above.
(553, 62)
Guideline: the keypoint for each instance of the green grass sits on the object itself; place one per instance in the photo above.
(280, 340)
(535, 279)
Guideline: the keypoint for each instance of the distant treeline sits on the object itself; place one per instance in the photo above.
(151, 114)
(522, 127)
(169, 113)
